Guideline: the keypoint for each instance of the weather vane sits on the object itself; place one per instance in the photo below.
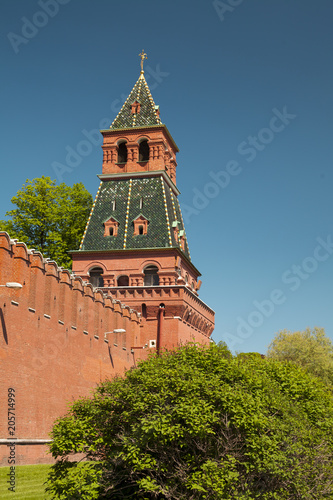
(143, 57)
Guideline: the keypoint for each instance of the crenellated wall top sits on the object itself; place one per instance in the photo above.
(34, 259)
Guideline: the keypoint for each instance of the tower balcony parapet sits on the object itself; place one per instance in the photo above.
(179, 301)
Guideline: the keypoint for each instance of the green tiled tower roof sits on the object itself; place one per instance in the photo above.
(126, 199)
(148, 114)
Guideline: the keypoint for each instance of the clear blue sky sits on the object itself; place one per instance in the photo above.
(245, 88)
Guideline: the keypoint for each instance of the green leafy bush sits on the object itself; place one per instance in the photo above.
(199, 424)
(311, 349)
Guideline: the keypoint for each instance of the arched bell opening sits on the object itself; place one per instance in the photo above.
(122, 153)
(144, 150)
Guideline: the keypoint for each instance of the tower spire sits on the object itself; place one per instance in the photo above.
(147, 114)
(143, 57)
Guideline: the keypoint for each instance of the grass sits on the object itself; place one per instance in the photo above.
(29, 481)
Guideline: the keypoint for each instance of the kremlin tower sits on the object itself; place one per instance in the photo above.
(135, 246)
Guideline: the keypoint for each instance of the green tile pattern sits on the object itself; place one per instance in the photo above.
(147, 115)
(181, 225)
(102, 211)
(150, 190)
(91, 211)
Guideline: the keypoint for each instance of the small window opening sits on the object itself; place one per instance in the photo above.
(111, 231)
(151, 277)
(122, 153)
(140, 229)
(144, 151)
(144, 310)
(141, 203)
(123, 281)
(95, 277)
(113, 205)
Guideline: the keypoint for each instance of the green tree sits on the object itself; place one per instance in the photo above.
(199, 424)
(311, 349)
(50, 218)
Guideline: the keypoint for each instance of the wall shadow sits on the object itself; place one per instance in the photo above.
(110, 356)
(3, 325)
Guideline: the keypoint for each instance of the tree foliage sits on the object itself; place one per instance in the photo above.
(48, 217)
(199, 424)
(311, 349)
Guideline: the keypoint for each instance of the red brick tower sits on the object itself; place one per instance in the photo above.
(135, 244)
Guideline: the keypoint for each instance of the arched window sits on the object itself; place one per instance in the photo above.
(144, 151)
(144, 310)
(151, 277)
(95, 277)
(123, 280)
(122, 152)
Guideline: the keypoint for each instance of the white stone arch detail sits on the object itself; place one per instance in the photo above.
(89, 267)
(121, 140)
(150, 262)
(142, 138)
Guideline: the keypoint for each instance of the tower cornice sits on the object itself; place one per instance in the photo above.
(117, 131)
(153, 251)
(131, 175)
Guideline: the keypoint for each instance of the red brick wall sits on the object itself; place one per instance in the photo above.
(52, 347)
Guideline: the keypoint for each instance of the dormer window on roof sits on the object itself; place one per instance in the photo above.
(182, 239)
(135, 108)
(175, 227)
(111, 227)
(140, 225)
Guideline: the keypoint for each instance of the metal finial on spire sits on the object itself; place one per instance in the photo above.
(143, 57)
